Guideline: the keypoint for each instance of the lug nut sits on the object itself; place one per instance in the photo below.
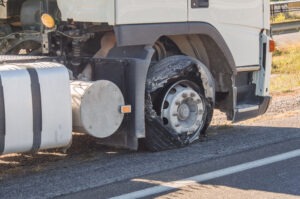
(184, 95)
(177, 103)
(193, 95)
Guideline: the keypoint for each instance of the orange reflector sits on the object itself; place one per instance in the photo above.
(272, 46)
(126, 109)
(47, 21)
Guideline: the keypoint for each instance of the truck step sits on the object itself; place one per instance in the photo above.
(247, 108)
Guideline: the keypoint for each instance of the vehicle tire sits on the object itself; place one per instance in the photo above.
(177, 111)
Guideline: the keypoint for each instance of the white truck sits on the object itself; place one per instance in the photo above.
(129, 72)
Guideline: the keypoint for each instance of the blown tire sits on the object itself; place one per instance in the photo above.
(177, 110)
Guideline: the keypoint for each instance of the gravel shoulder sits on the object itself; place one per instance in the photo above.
(286, 40)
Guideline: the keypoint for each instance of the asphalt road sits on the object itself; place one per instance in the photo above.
(275, 180)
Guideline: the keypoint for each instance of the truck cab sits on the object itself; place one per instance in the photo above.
(168, 64)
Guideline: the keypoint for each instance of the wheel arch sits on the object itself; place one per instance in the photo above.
(215, 53)
(150, 33)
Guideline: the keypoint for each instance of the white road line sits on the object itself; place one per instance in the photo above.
(164, 187)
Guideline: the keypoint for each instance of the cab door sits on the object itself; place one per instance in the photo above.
(239, 22)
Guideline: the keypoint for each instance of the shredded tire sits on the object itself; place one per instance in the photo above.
(158, 136)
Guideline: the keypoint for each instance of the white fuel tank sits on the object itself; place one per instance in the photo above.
(97, 107)
(35, 107)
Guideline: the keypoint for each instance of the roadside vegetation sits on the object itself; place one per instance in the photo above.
(285, 17)
(286, 70)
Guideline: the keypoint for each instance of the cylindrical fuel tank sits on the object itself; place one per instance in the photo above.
(96, 107)
(35, 106)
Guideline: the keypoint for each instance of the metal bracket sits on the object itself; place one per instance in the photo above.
(200, 3)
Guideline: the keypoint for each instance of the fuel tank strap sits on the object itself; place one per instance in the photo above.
(36, 109)
(2, 119)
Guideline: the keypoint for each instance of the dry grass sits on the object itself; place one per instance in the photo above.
(285, 17)
(286, 69)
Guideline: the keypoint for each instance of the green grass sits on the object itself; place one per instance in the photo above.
(286, 70)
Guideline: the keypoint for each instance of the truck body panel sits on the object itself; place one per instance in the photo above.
(239, 22)
(155, 11)
(97, 11)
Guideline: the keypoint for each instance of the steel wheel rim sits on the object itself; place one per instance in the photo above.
(183, 108)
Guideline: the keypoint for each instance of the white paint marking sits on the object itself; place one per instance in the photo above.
(164, 187)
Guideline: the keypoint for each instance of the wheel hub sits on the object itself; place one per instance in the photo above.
(182, 109)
